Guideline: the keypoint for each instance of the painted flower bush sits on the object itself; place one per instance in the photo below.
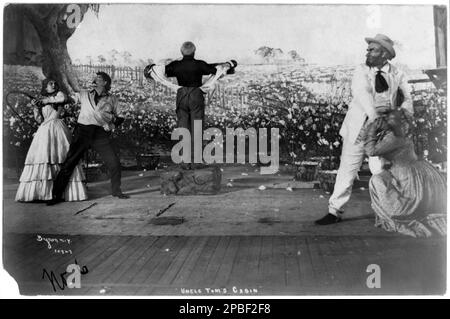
(307, 106)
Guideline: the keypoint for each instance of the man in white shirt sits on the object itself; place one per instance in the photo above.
(99, 114)
(375, 90)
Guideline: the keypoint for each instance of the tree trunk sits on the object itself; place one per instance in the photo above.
(57, 65)
(53, 31)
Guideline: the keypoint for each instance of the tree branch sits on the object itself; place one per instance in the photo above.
(34, 15)
(64, 32)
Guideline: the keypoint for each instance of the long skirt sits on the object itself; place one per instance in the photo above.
(47, 152)
(410, 199)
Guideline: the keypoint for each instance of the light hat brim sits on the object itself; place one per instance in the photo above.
(384, 44)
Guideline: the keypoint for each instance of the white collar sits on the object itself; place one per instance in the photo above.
(385, 69)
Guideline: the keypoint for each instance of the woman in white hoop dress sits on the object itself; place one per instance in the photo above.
(48, 151)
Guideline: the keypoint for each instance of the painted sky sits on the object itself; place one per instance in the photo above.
(322, 34)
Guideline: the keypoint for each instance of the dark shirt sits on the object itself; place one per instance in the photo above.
(189, 71)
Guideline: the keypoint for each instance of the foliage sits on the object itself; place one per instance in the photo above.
(308, 121)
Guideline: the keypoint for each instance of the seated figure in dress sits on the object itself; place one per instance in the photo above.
(48, 150)
(410, 196)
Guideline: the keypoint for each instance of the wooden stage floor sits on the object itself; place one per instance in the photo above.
(227, 265)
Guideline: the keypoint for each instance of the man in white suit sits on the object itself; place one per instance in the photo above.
(375, 89)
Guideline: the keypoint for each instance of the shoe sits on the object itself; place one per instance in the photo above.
(328, 219)
(54, 201)
(121, 195)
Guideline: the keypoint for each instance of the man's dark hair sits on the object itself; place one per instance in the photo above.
(44, 87)
(106, 78)
(188, 49)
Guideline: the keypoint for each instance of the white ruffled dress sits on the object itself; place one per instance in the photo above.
(47, 152)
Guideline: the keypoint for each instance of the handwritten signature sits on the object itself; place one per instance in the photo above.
(49, 240)
(73, 280)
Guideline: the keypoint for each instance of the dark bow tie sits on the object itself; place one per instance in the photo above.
(380, 83)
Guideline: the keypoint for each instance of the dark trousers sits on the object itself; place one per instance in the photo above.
(99, 140)
(190, 107)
